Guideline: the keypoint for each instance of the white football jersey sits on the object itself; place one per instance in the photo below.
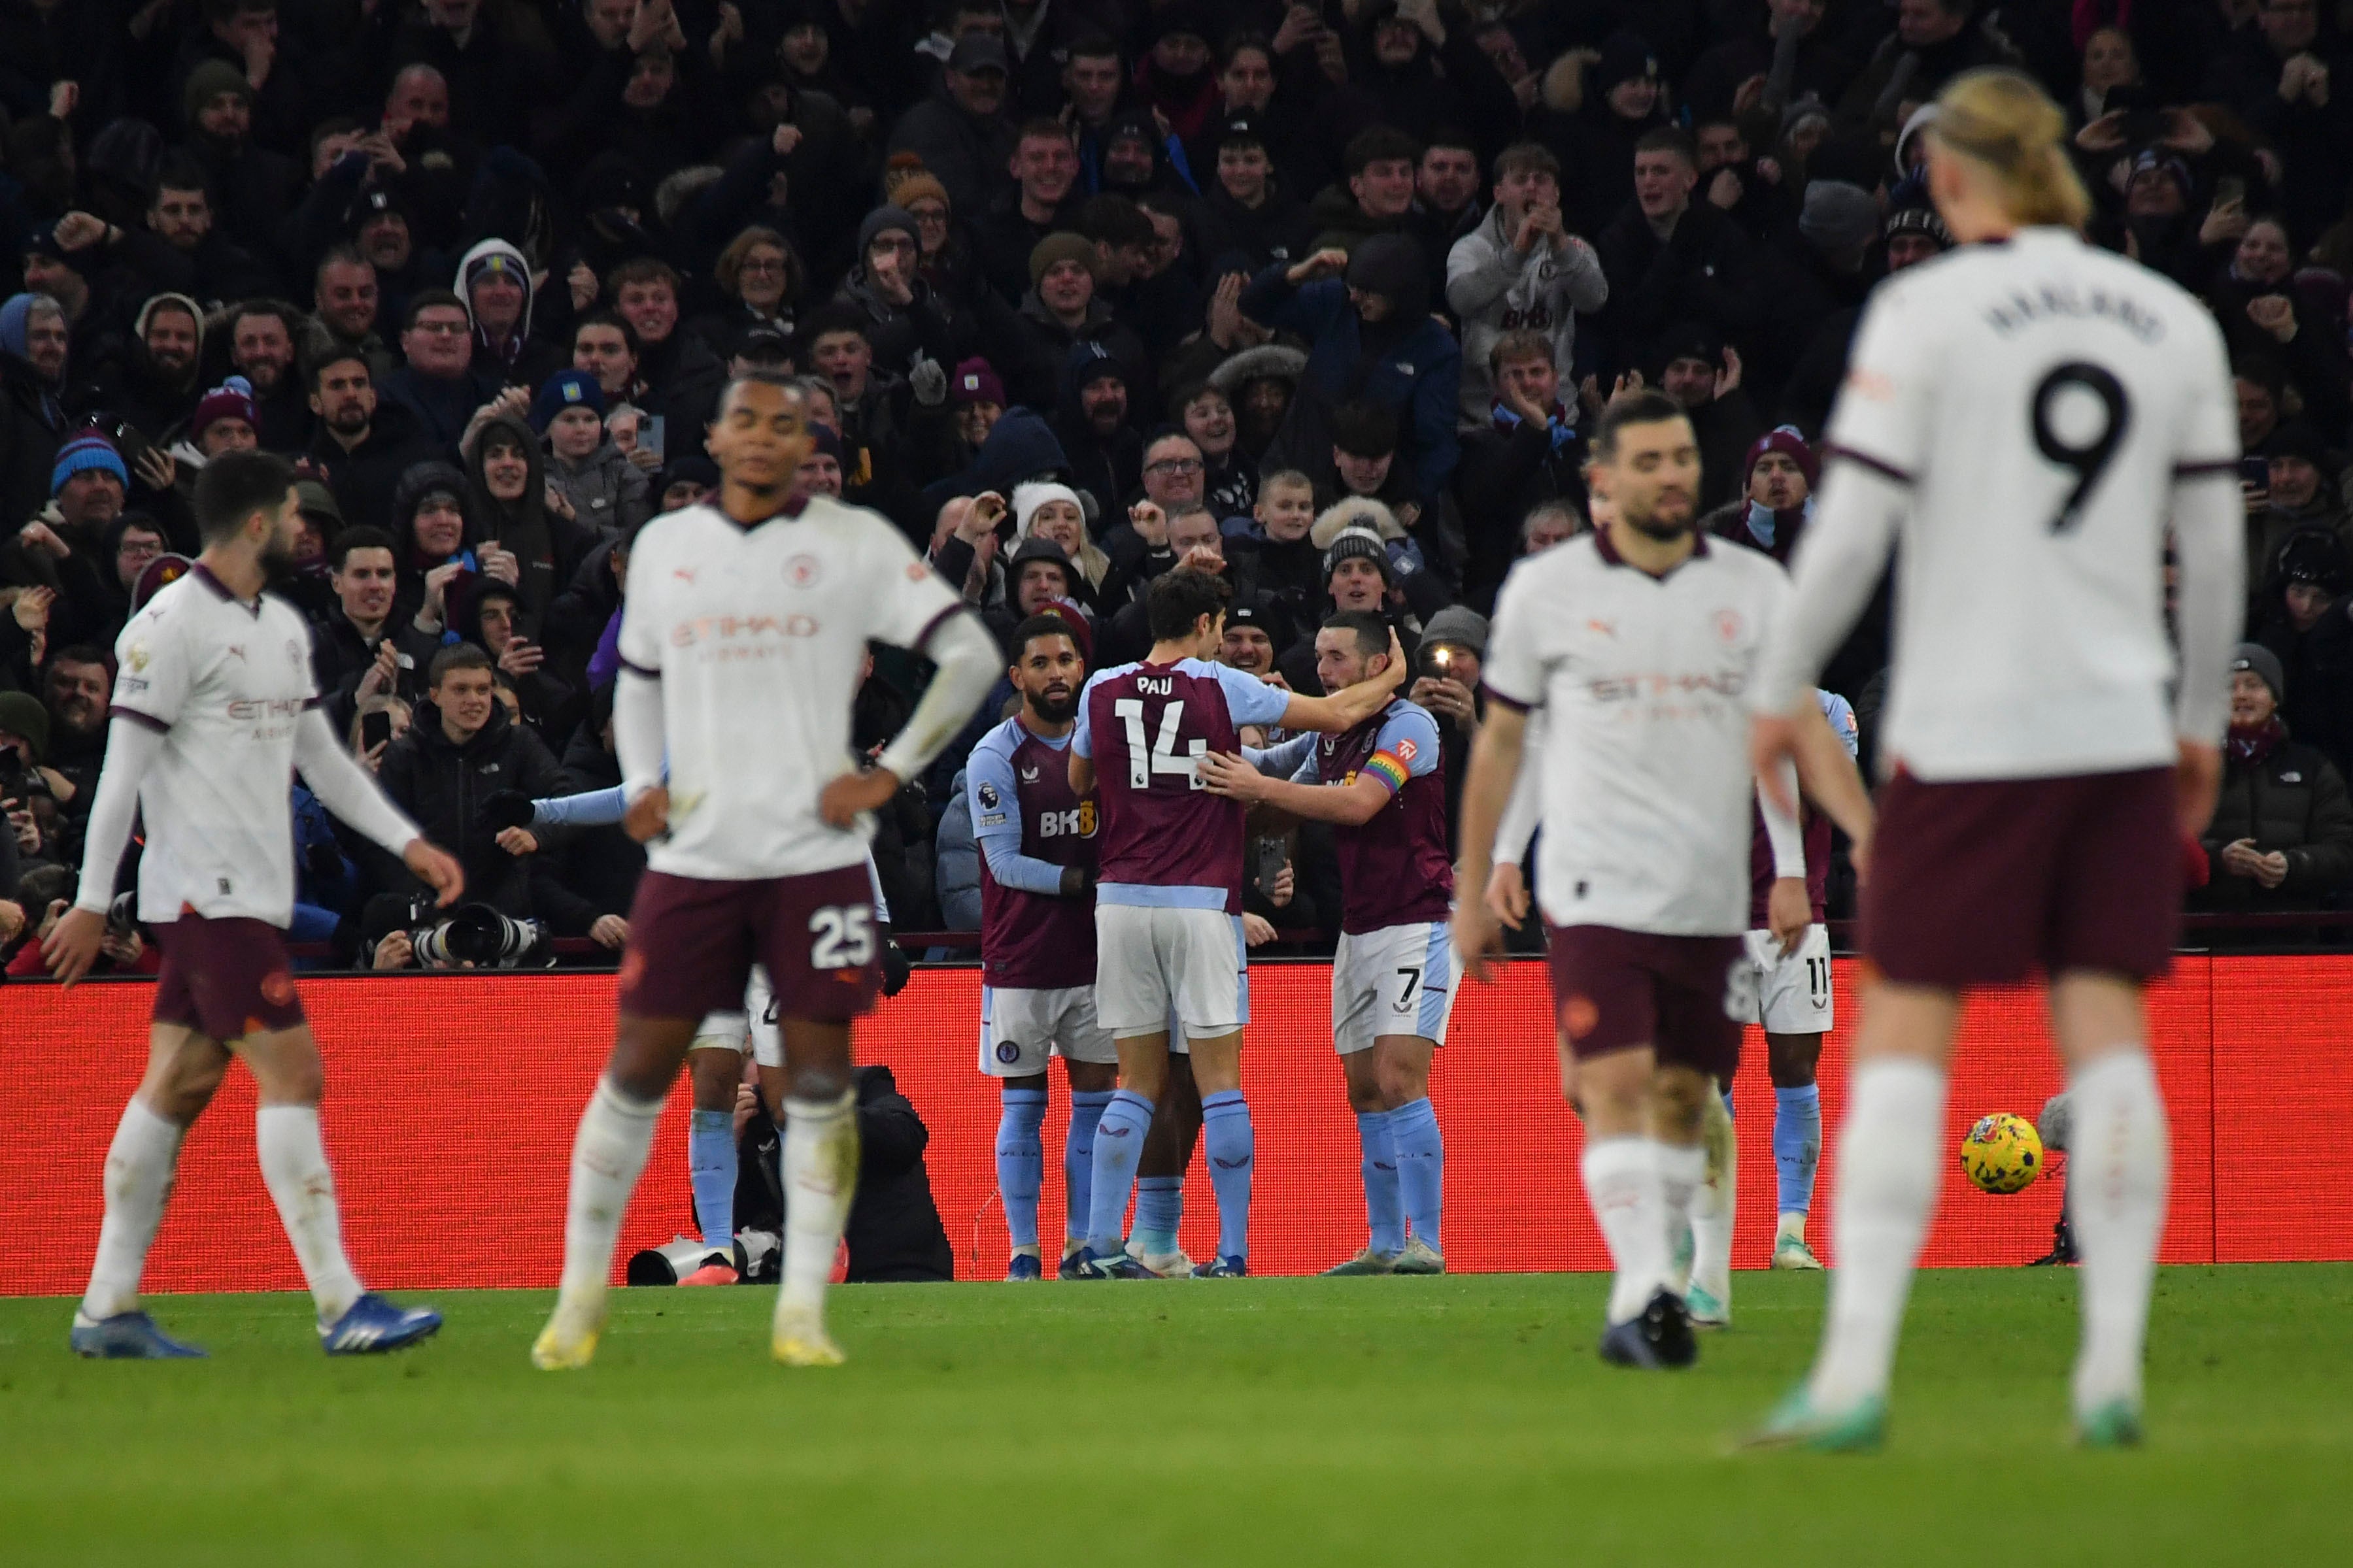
(1643, 683)
(758, 636)
(225, 683)
(2035, 405)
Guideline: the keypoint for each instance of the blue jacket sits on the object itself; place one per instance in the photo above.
(955, 882)
(1420, 378)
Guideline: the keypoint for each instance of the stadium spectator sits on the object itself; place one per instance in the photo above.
(2281, 836)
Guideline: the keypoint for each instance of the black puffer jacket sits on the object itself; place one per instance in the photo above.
(443, 787)
(2292, 801)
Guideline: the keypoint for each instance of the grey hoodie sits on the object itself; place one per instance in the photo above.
(1492, 290)
(607, 492)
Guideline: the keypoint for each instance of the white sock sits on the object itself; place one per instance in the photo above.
(294, 1169)
(1713, 1205)
(617, 1131)
(1679, 1173)
(1621, 1183)
(821, 1168)
(139, 1170)
(2116, 1169)
(1890, 1153)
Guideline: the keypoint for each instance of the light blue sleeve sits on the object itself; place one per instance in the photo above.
(1840, 714)
(1083, 739)
(995, 801)
(596, 808)
(1249, 700)
(1294, 758)
(1411, 734)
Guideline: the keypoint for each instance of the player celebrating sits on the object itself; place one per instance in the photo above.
(1380, 787)
(1169, 901)
(2026, 415)
(741, 643)
(1037, 841)
(1639, 640)
(214, 711)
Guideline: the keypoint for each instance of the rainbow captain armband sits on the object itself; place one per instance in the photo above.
(1387, 767)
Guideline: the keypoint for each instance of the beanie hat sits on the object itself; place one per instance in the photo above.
(976, 382)
(1028, 498)
(826, 440)
(565, 389)
(884, 220)
(208, 81)
(2252, 656)
(232, 399)
(1838, 217)
(87, 451)
(1352, 543)
(1060, 246)
(2297, 440)
(1786, 440)
(17, 324)
(906, 182)
(21, 714)
(315, 501)
(1918, 220)
(1392, 265)
(1625, 55)
(1459, 624)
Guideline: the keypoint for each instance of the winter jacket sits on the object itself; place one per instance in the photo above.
(1494, 290)
(609, 494)
(955, 882)
(2291, 801)
(340, 657)
(548, 548)
(31, 426)
(1708, 272)
(443, 786)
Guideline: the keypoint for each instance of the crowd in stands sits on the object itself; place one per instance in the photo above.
(1320, 296)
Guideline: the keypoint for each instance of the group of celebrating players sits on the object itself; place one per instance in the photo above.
(2042, 425)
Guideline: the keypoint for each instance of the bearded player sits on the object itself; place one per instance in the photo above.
(1381, 787)
(1037, 841)
(2035, 420)
(1638, 641)
(214, 712)
(742, 643)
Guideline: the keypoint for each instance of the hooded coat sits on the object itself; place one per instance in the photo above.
(548, 548)
(520, 358)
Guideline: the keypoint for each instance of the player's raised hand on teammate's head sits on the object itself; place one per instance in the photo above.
(1394, 675)
(436, 868)
(845, 798)
(73, 945)
(1228, 773)
(648, 817)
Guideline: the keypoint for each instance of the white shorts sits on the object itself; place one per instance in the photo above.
(1792, 993)
(728, 1031)
(1399, 980)
(1021, 1030)
(1151, 962)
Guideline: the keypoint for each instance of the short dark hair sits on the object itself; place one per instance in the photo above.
(1047, 625)
(641, 269)
(835, 319)
(1378, 145)
(234, 486)
(1041, 126)
(760, 375)
(1365, 430)
(284, 314)
(1669, 138)
(1372, 632)
(321, 363)
(425, 300)
(1452, 136)
(179, 171)
(1177, 600)
(82, 653)
(1648, 406)
(603, 317)
(1113, 220)
(457, 656)
(1093, 45)
(359, 537)
(1532, 157)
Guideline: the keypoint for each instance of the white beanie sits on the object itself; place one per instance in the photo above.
(1028, 498)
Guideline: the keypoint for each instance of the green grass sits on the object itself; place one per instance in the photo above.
(1445, 1421)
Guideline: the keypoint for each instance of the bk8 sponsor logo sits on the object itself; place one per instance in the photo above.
(1078, 821)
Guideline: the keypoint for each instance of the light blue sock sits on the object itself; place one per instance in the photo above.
(710, 1168)
(1225, 1128)
(1796, 1144)
(1119, 1144)
(1380, 1169)
(1079, 1158)
(1420, 1166)
(1159, 1204)
(1021, 1162)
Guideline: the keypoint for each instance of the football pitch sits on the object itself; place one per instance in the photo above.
(1460, 1420)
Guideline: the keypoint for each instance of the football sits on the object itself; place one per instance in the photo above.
(2003, 1153)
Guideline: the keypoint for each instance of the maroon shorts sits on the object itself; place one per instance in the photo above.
(693, 944)
(224, 978)
(1981, 882)
(1618, 989)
